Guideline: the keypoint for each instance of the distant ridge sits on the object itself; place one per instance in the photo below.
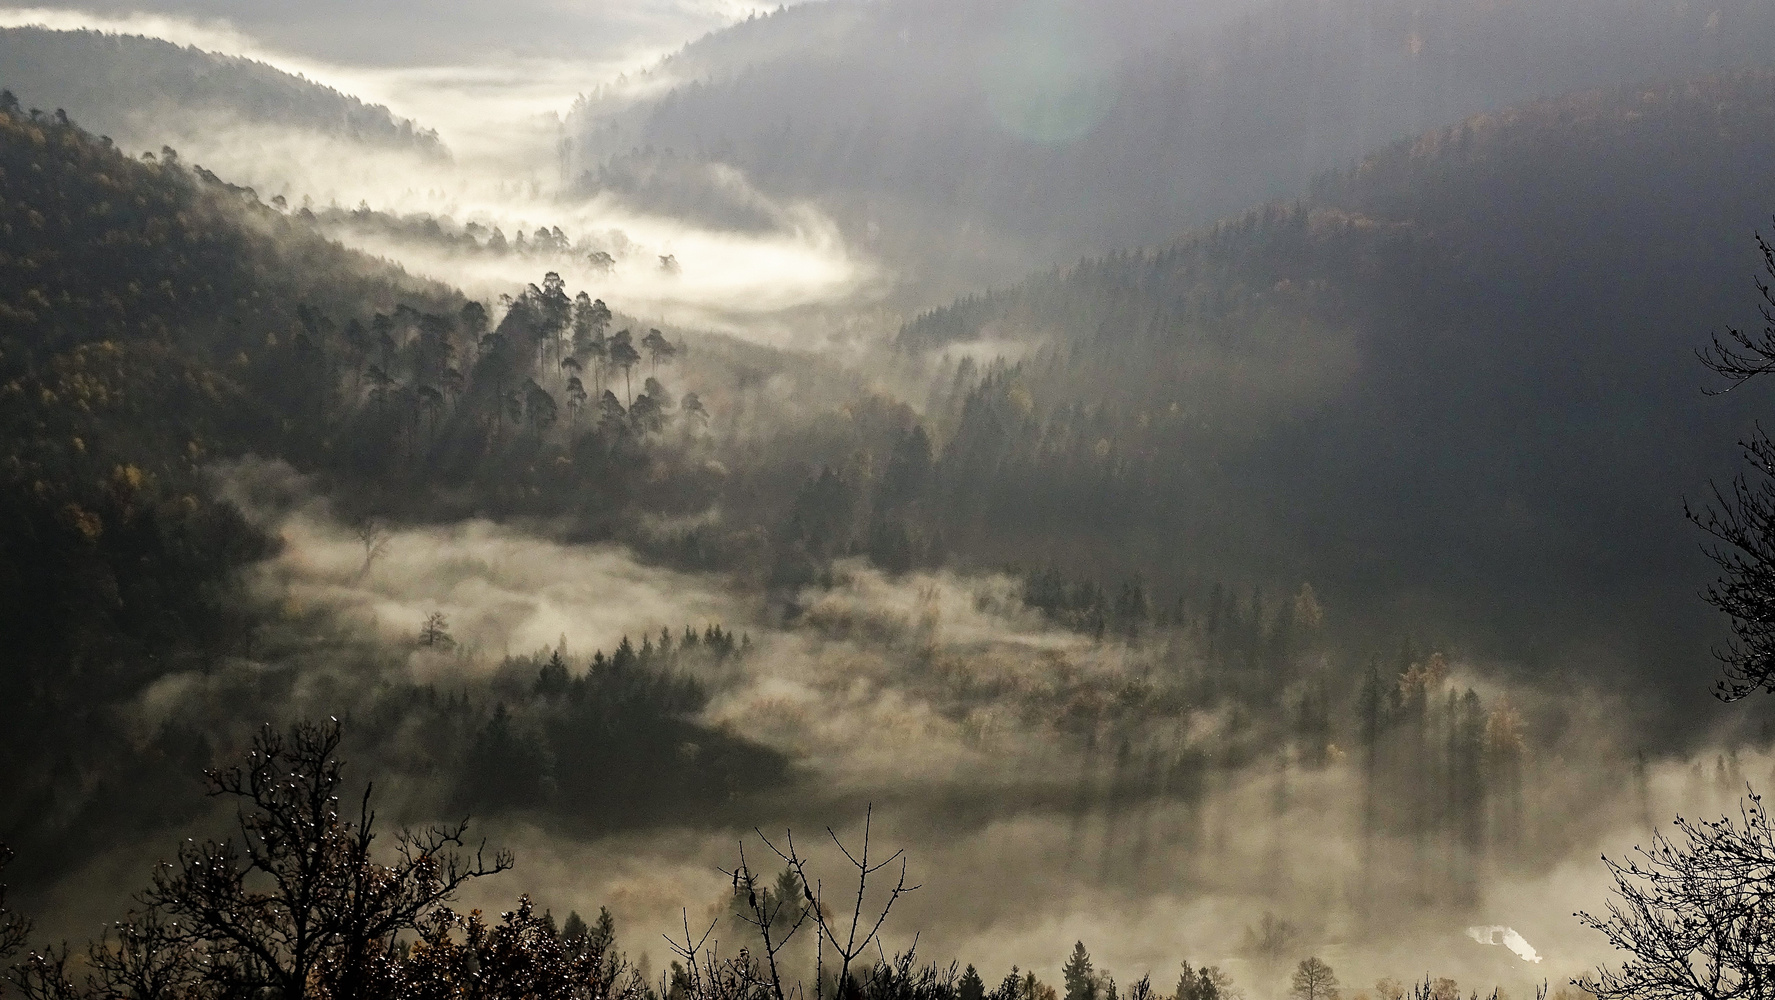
(138, 89)
(954, 144)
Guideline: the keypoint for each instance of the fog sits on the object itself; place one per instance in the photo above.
(918, 695)
(1292, 575)
(497, 113)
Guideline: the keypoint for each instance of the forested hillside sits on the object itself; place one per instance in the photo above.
(144, 92)
(163, 324)
(155, 321)
(1459, 377)
(1320, 565)
(967, 142)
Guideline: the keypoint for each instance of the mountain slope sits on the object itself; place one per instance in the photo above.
(156, 321)
(1457, 384)
(144, 92)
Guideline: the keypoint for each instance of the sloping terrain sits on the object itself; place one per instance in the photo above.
(1456, 383)
(144, 92)
(156, 321)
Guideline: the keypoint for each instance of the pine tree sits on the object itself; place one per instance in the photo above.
(1187, 984)
(1213, 984)
(603, 932)
(574, 928)
(1080, 983)
(970, 987)
(436, 631)
(552, 679)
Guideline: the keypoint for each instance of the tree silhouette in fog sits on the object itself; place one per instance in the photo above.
(1313, 980)
(1741, 517)
(1694, 913)
(1081, 982)
(623, 355)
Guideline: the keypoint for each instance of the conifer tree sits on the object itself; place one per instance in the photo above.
(1081, 984)
(970, 986)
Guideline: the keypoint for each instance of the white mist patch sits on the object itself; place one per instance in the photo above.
(728, 281)
(1498, 934)
(449, 71)
(723, 281)
(987, 350)
(504, 590)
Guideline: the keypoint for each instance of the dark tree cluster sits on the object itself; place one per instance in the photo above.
(536, 413)
(613, 741)
(548, 243)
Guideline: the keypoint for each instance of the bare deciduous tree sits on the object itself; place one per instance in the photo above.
(852, 946)
(1313, 980)
(1741, 518)
(14, 929)
(298, 899)
(1695, 915)
(767, 910)
(374, 538)
(704, 975)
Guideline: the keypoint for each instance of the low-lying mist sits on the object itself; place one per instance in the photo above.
(1133, 792)
(750, 282)
(765, 588)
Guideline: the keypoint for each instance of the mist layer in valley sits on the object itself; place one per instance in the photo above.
(1152, 795)
(1296, 577)
(473, 151)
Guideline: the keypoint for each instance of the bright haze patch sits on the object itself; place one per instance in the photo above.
(493, 94)
(748, 284)
(1509, 938)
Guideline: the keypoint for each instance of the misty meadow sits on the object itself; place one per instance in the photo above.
(887, 500)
